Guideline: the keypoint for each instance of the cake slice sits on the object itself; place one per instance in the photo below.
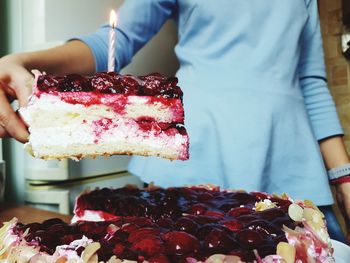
(77, 116)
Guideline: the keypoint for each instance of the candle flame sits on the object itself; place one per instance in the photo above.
(113, 19)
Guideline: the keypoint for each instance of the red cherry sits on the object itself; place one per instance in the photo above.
(165, 222)
(237, 211)
(219, 241)
(186, 224)
(249, 238)
(198, 209)
(214, 214)
(139, 234)
(148, 246)
(180, 243)
(233, 225)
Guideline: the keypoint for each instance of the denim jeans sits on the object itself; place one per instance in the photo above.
(333, 226)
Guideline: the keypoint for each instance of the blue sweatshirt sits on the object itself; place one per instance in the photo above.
(255, 92)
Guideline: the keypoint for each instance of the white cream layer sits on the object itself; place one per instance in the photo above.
(59, 129)
(51, 107)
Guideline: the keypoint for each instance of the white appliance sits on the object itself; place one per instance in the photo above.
(38, 24)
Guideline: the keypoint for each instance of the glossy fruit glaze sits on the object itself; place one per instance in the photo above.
(154, 84)
(170, 225)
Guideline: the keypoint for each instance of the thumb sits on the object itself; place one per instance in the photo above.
(24, 87)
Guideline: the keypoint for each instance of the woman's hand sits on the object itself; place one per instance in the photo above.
(15, 83)
(343, 199)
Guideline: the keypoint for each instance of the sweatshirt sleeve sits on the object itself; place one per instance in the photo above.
(318, 100)
(138, 21)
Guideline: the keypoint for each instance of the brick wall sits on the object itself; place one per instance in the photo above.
(338, 68)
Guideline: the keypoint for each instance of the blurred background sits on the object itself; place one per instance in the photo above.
(27, 25)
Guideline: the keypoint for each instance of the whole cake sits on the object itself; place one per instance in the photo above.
(77, 116)
(184, 224)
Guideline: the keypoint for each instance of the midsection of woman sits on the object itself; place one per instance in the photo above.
(244, 100)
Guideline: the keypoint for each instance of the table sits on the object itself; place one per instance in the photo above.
(27, 214)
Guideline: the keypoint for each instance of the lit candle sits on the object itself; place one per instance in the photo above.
(111, 48)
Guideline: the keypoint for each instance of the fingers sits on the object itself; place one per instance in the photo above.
(3, 132)
(10, 123)
(23, 86)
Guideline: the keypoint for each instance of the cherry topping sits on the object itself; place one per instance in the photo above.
(110, 83)
(169, 225)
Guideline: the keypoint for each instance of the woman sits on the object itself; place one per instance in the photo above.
(258, 110)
